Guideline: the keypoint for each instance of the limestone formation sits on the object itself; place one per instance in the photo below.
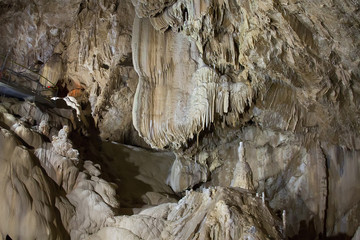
(274, 65)
(186, 173)
(242, 174)
(28, 201)
(220, 213)
(238, 99)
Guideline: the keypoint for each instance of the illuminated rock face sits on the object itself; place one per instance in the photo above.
(86, 50)
(52, 194)
(261, 95)
(216, 59)
(208, 214)
(63, 196)
(29, 197)
(282, 77)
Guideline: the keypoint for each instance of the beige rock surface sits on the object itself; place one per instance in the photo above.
(280, 67)
(86, 51)
(33, 29)
(186, 173)
(220, 213)
(72, 200)
(49, 197)
(199, 76)
(96, 52)
(270, 48)
(28, 208)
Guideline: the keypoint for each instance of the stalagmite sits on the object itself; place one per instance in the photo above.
(284, 222)
(242, 174)
(174, 118)
(263, 198)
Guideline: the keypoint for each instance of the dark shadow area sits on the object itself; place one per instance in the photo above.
(124, 173)
(62, 88)
(61, 104)
(114, 167)
(198, 139)
(340, 236)
(303, 234)
(306, 231)
(126, 61)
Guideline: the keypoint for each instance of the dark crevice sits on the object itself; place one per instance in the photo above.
(306, 231)
(116, 6)
(105, 66)
(327, 167)
(126, 61)
(195, 141)
(91, 147)
(82, 7)
(340, 236)
(185, 14)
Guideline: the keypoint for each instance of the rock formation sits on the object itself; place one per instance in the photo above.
(211, 214)
(264, 73)
(236, 98)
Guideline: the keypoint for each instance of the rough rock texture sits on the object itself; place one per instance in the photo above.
(303, 180)
(211, 214)
(28, 201)
(186, 173)
(62, 195)
(85, 51)
(97, 56)
(32, 29)
(57, 197)
(257, 95)
(281, 51)
(282, 76)
(53, 193)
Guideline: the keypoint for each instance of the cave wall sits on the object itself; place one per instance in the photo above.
(85, 51)
(280, 76)
(31, 30)
(199, 77)
(282, 57)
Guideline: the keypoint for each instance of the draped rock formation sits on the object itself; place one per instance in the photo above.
(240, 100)
(274, 74)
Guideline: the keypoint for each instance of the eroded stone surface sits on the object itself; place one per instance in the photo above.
(61, 194)
(274, 65)
(28, 200)
(220, 213)
(279, 76)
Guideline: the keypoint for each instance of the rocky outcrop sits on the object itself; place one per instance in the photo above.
(61, 194)
(47, 183)
(85, 52)
(238, 55)
(274, 66)
(28, 203)
(96, 53)
(71, 197)
(257, 95)
(210, 214)
(31, 30)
